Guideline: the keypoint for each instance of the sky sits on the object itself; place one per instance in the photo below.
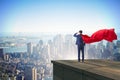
(59, 16)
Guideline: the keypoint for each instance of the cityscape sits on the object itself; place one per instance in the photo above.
(27, 57)
(34, 33)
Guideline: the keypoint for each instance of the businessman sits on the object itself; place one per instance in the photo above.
(80, 44)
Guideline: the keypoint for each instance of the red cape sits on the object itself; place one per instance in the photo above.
(106, 34)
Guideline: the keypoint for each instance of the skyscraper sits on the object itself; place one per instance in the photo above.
(34, 73)
(118, 46)
(1, 53)
(29, 48)
(30, 73)
(118, 43)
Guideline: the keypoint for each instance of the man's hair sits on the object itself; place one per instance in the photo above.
(80, 31)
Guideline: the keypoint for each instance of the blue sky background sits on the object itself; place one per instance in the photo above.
(59, 16)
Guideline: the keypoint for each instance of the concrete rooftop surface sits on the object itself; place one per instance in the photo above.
(106, 68)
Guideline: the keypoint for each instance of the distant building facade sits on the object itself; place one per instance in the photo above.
(1, 53)
(30, 73)
(29, 48)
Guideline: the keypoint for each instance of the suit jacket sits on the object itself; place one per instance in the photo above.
(79, 40)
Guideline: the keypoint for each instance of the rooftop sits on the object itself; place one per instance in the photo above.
(106, 68)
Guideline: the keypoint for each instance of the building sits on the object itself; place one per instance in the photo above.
(29, 48)
(20, 77)
(1, 53)
(6, 57)
(30, 73)
(118, 43)
(118, 46)
(34, 73)
(90, 70)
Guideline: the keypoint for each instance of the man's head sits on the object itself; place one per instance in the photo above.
(80, 31)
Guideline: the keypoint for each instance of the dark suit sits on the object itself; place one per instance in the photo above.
(80, 44)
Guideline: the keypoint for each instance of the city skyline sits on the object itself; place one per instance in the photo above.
(35, 58)
(58, 16)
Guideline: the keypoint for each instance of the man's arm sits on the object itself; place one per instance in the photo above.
(75, 35)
